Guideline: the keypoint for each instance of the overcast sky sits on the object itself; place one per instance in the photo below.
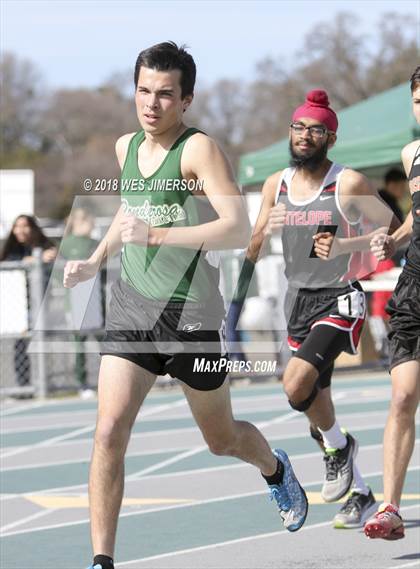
(82, 42)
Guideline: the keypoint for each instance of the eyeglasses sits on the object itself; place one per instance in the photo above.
(317, 131)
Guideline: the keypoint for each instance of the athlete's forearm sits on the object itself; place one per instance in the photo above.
(402, 235)
(110, 244)
(256, 246)
(223, 233)
(353, 244)
(362, 242)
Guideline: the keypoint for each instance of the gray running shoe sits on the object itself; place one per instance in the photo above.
(355, 511)
(339, 470)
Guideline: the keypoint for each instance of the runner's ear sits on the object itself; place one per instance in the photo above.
(332, 138)
(187, 102)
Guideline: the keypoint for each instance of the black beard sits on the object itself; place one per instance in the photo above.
(310, 163)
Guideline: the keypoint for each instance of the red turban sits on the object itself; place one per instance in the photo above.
(317, 106)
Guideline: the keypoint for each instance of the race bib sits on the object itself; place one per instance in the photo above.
(352, 304)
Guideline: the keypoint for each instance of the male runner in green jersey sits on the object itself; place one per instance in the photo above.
(158, 313)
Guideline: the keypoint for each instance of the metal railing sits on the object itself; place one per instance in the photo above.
(34, 319)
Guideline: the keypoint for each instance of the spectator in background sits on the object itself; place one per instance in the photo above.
(77, 243)
(24, 237)
(396, 188)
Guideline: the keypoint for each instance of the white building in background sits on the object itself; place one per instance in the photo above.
(16, 197)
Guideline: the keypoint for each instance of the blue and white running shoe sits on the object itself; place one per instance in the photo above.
(289, 496)
(97, 566)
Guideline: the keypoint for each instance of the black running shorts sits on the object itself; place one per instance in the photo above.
(404, 311)
(184, 340)
(317, 331)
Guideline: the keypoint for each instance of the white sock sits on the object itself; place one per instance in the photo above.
(359, 484)
(334, 438)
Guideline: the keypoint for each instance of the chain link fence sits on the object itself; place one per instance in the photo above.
(42, 350)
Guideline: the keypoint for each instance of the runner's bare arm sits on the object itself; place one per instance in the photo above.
(78, 271)
(203, 160)
(111, 243)
(357, 197)
(403, 234)
(384, 246)
(407, 155)
(260, 233)
(357, 194)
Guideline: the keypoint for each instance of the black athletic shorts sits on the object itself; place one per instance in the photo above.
(404, 311)
(317, 331)
(185, 340)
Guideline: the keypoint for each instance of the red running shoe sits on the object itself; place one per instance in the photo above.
(385, 524)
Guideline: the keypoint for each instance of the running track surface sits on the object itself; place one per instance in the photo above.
(183, 507)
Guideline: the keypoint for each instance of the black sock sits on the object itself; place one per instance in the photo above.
(277, 477)
(103, 560)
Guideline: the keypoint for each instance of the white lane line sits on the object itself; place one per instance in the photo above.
(215, 545)
(160, 450)
(382, 380)
(55, 417)
(187, 505)
(143, 418)
(226, 467)
(40, 428)
(241, 540)
(164, 432)
(48, 442)
(30, 518)
(167, 418)
(210, 469)
(411, 564)
(14, 410)
(58, 415)
(5, 497)
(280, 408)
(53, 440)
(167, 462)
(152, 510)
(152, 399)
(150, 452)
(201, 448)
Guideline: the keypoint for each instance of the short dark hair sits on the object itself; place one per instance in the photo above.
(395, 175)
(165, 57)
(415, 79)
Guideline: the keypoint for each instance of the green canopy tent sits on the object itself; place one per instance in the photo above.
(370, 137)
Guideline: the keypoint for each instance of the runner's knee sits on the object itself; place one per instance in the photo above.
(112, 433)
(222, 446)
(404, 403)
(222, 443)
(299, 402)
(299, 379)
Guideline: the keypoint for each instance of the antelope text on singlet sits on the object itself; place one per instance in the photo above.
(303, 269)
